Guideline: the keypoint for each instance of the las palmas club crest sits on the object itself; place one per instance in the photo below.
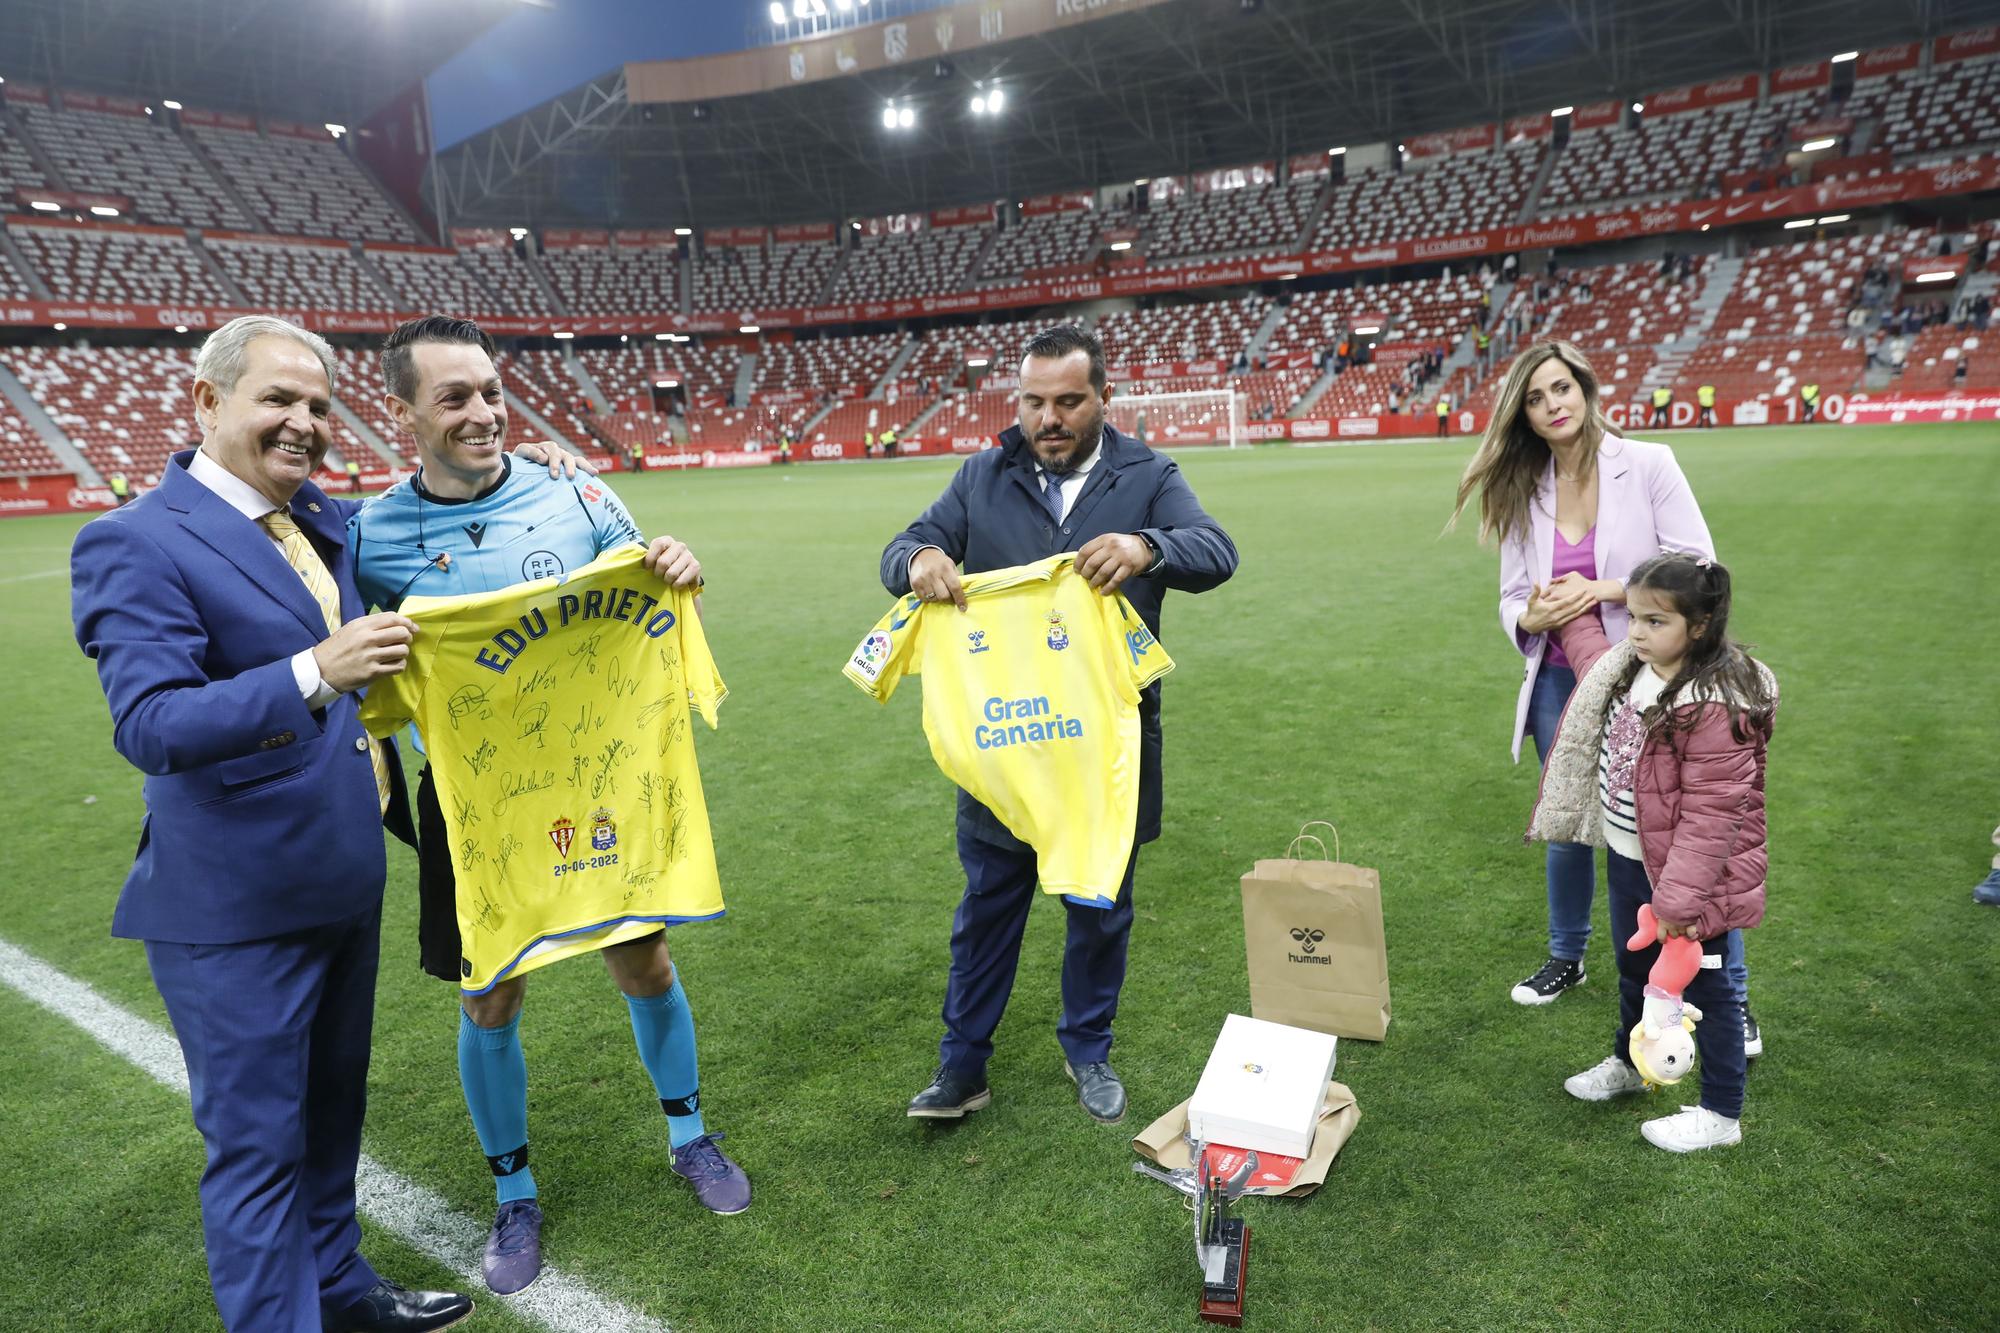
(1058, 636)
(603, 833)
(562, 833)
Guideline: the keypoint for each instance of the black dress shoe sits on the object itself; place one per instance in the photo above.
(950, 1096)
(390, 1308)
(1098, 1090)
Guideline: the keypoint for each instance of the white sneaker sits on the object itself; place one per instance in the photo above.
(1692, 1129)
(1601, 1082)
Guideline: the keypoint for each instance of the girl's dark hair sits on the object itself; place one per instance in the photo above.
(1715, 667)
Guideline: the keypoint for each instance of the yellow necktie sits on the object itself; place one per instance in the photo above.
(299, 553)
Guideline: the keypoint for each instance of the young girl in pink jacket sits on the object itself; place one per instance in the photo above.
(1659, 758)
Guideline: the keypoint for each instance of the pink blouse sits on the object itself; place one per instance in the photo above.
(1567, 559)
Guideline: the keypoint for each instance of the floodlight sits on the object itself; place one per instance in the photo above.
(889, 117)
(563, 333)
(1563, 111)
(1336, 152)
(1367, 328)
(103, 211)
(1832, 218)
(170, 104)
(995, 100)
(666, 384)
(979, 106)
(1638, 106)
(1796, 223)
(44, 206)
(1814, 145)
(683, 231)
(777, 13)
(1939, 276)
(180, 328)
(748, 328)
(1843, 57)
(1121, 245)
(907, 117)
(60, 327)
(335, 130)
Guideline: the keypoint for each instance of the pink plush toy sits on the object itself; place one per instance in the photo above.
(1662, 1042)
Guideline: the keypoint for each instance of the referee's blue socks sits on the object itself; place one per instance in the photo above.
(494, 1074)
(663, 1027)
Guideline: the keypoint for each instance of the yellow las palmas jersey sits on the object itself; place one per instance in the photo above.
(556, 715)
(1031, 703)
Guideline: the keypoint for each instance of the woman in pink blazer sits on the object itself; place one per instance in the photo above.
(1574, 509)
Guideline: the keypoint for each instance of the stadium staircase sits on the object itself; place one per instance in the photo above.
(538, 423)
(895, 366)
(1670, 356)
(970, 278)
(532, 261)
(1533, 199)
(45, 427)
(746, 379)
(1262, 335)
(22, 266)
(385, 455)
(221, 182)
(574, 365)
(217, 271)
(1303, 241)
(378, 277)
(1314, 392)
(825, 294)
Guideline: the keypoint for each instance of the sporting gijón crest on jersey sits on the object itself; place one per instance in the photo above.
(557, 717)
(1031, 704)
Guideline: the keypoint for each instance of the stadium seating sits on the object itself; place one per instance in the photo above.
(506, 275)
(982, 414)
(102, 264)
(131, 155)
(843, 367)
(126, 408)
(1418, 310)
(601, 280)
(1616, 314)
(625, 375)
(434, 282)
(17, 167)
(1933, 360)
(743, 279)
(304, 187)
(1198, 331)
(13, 283)
(22, 453)
(924, 263)
(1260, 219)
(1465, 192)
(1679, 156)
(538, 378)
(359, 390)
(1926, 111)
(851, 421)
(1048, 241)
(293, 277)
(941, 354)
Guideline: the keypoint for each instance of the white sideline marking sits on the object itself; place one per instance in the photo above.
(418, 1216)
(38, 574)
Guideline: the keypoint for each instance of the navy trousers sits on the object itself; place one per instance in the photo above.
(1000, 886)
(275, 1034)
(1718, 1037)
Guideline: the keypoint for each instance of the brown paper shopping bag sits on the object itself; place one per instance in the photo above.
(1313, 930)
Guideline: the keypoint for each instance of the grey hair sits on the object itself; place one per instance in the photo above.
(220, 360)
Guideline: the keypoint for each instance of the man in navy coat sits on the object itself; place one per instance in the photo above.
(257, 885)
(1062, 480)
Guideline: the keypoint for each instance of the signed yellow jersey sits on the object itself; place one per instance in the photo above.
(1031, 704)
(557, 718)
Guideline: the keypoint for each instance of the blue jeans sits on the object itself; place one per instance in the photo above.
(1718, 1036)
(1572, 871)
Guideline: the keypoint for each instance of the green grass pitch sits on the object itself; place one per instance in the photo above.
(1352, 671)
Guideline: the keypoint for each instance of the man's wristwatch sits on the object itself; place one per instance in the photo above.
(1159, 556)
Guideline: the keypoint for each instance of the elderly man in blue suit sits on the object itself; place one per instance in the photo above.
(221, 611)
(1061, 480)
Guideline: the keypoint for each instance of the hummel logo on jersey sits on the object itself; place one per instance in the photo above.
(978, 638)
(476, 531)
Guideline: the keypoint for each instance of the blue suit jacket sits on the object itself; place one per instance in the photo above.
(261, 814)
(992, 517)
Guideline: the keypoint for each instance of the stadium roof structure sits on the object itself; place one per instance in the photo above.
(334, 60)
(1166, 87)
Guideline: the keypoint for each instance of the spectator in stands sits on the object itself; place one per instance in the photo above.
(121, 487)
(1704, 396)
(1568, 536)
(1663, 399)
(353, 477)
(1809, 400)
(1444, 415)
(1982, 311)
(1960, 371)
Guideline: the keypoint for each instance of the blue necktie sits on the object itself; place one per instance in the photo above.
(1052, 495)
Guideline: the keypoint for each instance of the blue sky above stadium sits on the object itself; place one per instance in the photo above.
(543, 52)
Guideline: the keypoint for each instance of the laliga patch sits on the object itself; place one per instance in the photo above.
(871, 656)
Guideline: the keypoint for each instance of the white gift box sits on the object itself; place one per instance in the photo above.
(1263, 1087)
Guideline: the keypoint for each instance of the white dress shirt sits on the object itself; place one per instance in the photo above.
(248, 501)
